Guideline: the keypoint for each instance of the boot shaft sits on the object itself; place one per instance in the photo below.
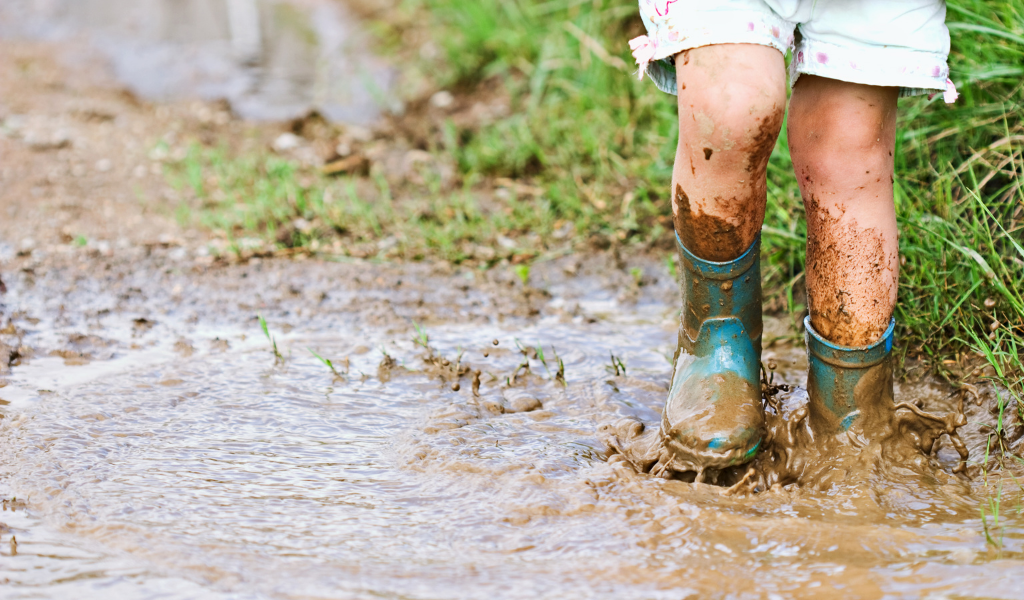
(848, 386)
(716, 290)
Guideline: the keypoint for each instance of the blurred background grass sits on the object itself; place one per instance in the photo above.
(586, 152)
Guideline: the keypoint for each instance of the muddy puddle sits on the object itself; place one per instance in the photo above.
(175, 457)
(270, 59)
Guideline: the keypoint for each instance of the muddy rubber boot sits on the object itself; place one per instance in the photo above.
(714, 417)
(849, 388)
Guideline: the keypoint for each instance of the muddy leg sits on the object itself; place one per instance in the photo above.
(841, 138)
(732, 100)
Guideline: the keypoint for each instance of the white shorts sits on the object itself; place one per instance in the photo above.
(900, 43)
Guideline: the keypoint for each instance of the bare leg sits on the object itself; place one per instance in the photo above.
(841, 138)
(732, 100)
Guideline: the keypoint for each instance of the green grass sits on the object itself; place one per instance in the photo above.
(599, 146)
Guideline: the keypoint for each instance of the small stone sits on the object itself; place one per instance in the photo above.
(990, 303)
(103, 165)
(442, 99)
(286, 141)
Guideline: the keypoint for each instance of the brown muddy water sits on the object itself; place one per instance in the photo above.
(157, 449)
(269, 59)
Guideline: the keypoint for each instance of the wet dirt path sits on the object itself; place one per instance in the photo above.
(160, 449)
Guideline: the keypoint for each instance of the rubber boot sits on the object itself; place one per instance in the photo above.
(849, 388)
(714, 417)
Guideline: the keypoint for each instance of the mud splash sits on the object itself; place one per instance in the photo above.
(472, 472)
(892, 443)
(270, 59)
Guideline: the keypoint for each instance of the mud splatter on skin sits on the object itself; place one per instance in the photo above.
(763, 142)
(707, 153)
(840, 254)
(707, 236)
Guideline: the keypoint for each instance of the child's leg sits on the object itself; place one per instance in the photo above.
(841, 138)
(732, 98)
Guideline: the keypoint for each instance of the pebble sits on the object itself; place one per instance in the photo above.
(442, 99)
(286, 141)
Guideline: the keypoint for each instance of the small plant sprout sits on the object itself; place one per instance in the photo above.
(560, 374)
(266, 332)
(540, 357)
(638, 275)
(421, 339)
(617, 367)
(523, 271)
(327, 362)
(993, 512)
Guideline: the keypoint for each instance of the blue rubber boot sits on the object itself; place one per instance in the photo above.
(848, 388)
(714, 417)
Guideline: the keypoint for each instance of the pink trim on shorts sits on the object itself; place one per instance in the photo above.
(914, 71)
(666, 40)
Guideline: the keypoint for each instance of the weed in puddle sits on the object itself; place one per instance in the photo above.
(617, 367)
(421, 339)
(328, 364)
(273, 342)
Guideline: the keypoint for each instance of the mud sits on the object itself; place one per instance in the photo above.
(762, 142)
(889, 444)
(286, 480)
(708, 236)
(846, 263)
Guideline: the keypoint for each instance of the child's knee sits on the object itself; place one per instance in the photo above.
(834, 130)
(737, 124)
(843, 149)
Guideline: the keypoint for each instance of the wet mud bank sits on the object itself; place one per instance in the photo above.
(154, 442)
